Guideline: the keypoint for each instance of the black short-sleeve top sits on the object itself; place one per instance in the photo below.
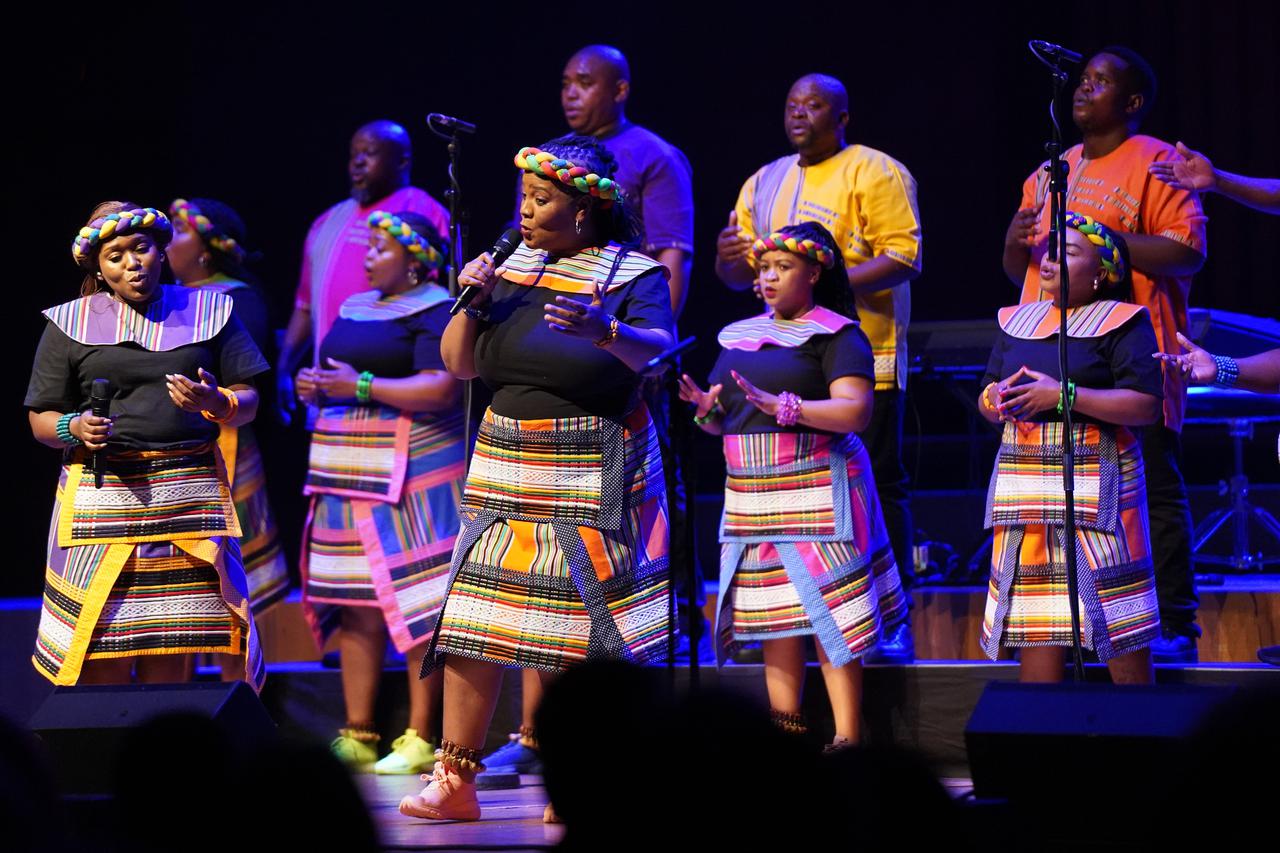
(1109, 345)
(535, 372)
(394, 336)
(182, 330)
(803, 356)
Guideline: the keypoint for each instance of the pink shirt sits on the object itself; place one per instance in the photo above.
(333, 256)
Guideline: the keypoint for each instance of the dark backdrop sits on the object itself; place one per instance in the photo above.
(255, 106)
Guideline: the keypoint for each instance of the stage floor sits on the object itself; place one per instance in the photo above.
(512, 819)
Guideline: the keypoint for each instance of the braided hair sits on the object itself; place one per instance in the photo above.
(832, 290)
(226, 222)
(427, 232)
(1113, 254)
(614, 221)
(162, 233)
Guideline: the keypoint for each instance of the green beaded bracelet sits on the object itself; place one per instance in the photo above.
(364, 387)
(715, 411)
(64, 429)
(1067, 396)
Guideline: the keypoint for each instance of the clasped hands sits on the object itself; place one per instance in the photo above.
(318, 385)
(1023, 394)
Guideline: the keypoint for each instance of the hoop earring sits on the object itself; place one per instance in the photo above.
(577, 225)
(413, 278)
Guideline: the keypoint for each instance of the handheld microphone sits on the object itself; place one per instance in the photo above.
(667, 358)
(1049, 50)
(100, 404)
(456, 125)
(501, 250)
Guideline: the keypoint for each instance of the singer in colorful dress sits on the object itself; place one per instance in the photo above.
(1114, 385)
(804, 547)
(385, 479)
(144, 564)
(208, 251)
(563, 552)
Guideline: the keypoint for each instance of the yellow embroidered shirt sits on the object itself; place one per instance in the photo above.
(867, 200)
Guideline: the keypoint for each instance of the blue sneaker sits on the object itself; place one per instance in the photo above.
(898, 646)
(1174, 648)
(513, 757)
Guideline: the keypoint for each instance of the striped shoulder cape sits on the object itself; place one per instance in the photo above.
(755, 332)
(181, 316)
(371, 305)
(1037, 320)
(611, 265)
(218, 283)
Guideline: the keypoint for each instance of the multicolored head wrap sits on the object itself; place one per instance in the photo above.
(418, 246)
(780, 241)
(184, 211)
(1102, 237)
(117, 224)
(559, 169)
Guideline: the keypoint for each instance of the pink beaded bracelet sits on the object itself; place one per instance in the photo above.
(788, 409)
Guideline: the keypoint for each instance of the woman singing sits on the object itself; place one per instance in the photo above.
(1115, 385)
(563, 550)
(804, 548)
(385, 472)
(144, 561)
(208, 252)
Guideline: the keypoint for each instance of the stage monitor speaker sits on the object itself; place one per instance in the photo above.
(82, 728)
(1046, 741)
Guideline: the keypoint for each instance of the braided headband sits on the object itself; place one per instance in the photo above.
(184, 211)
(407, 237)
(562, 170)
(780, 241)
(1100, 236)
(112, 225)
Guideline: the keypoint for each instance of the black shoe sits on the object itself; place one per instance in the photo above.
(898, 646)
(1269, 654)
(705, 653)
(749, 652)
(1175, 648)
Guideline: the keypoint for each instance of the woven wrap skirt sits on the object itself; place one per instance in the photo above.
(1027, 600)
(148, 564)
(563, 552)
(804, 550)
(383, 522)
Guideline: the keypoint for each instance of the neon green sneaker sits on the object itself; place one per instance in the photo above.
(409, 754)
(358, 754)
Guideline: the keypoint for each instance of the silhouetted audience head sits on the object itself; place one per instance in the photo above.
(31, 815)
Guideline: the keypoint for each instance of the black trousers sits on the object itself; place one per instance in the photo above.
(1170, 519)
(883, 440)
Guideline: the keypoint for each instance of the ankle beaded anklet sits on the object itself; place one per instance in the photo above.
(791, 723)
(459, 757)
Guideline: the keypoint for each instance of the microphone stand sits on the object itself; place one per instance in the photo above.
(666, 367)
(1058, 169)
(458, 230)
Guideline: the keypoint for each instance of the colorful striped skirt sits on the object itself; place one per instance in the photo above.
(804, 550)
(372, 552)
(264, 561)
(563, 551)
(148, 564)
(1027, 600)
